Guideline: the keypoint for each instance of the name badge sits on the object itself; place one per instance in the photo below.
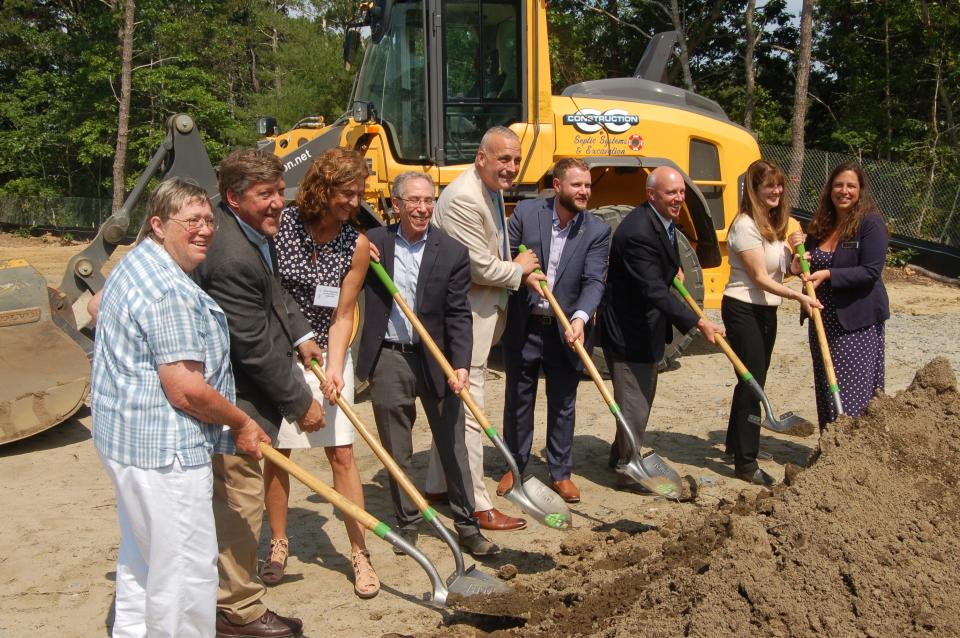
(326, 296)
(850, 244)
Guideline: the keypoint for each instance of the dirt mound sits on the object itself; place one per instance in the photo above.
(863, 542)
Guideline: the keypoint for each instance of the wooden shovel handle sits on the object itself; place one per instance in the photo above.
(721, 342)
(375, 445)
(328, 493)
(818, 321)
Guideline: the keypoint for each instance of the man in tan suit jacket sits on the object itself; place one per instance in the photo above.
(471, 211)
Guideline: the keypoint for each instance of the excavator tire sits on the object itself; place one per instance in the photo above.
(44, 373)
(693, 281)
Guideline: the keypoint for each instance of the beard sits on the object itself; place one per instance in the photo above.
(571, 204)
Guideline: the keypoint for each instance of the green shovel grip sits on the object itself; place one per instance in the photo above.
(679, 286)
(804, 266)
(384, 277)
(543, 284)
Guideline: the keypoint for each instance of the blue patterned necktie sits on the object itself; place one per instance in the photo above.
(672, 234)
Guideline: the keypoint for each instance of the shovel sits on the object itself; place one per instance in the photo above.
(466, 582)
(438, 597)
(650, 471)
(532, 496)
(821, 337)
(789, 423)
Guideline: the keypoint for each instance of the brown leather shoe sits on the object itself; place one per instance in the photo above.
(567, 490)
(437, 497)
(505, 484)
(269, 625)
(496, 520)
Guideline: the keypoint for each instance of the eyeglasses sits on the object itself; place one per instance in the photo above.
(194, 224)
(416, 201)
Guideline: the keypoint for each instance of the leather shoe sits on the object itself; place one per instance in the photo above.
(437, 497)
(757, 477)
(269, 625)
(408, 534)
(505, 484)
(477, 545)
(567, 490)
(496, 520)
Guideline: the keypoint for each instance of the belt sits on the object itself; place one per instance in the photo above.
(405, 348)
(547, 320)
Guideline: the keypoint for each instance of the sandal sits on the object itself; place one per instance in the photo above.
(271, 572)
(365, 581)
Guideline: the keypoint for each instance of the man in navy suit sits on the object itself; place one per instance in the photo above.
(572, 245)
(432, 273)
(639, 311)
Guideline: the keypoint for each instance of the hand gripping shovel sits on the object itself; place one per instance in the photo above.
(532, 496)
(650, 471)
(439, 596)
(821, 337)
(466, 582)
(789, 423)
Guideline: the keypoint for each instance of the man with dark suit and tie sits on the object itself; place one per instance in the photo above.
(432, 273)
(639, 311)
(266, 328)
(572, 244)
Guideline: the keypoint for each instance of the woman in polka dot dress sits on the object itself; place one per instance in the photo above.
(322, 261)
(848, 243)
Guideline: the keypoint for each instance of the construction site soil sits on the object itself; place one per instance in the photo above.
(861, 542)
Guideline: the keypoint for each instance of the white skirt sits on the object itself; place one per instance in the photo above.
(338, 430)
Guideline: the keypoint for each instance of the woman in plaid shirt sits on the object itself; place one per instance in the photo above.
(162, 385)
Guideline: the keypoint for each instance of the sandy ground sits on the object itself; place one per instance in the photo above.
(59, 537)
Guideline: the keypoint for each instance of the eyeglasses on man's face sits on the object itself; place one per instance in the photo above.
(193, 224)
(418, 201)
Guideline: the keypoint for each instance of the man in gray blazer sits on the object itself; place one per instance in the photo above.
(432, 273)
(573, 245)
(266, 327)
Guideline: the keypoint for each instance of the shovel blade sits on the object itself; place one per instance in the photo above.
(789, 423)
(474, 582)
(655, 474)
(542, 503)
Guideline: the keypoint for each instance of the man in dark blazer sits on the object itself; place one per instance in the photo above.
(266, 328)
(639, 311)
(572, 245)
(432, 273)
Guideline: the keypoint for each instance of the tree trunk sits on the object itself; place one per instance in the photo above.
(682, 38)
(795, 173)
(125, 33)
(749, 68)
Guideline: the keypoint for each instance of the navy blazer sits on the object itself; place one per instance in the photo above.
(441, 304)
(639, 308)
(855, 274)
(579, 281)
(263, 320)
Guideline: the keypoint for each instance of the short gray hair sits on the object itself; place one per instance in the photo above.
(497, 131)
(400, 182)
(170, 197)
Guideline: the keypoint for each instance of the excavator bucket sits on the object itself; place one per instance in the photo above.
(44, 370)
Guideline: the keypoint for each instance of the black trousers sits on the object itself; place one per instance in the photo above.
(751, 331)
(396, 382)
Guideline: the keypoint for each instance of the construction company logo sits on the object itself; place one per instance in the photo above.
(591, 120)
(635, 142)
(296, 161)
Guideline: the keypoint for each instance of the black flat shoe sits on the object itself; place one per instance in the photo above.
(477, 545)
(757, 477)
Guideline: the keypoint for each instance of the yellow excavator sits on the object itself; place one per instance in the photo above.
(435, 75)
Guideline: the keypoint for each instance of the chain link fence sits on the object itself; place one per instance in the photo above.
(913, 204)
(63, 213)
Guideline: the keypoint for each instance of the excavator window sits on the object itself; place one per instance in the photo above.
(393, 78)
(481, 72)
(705, 172)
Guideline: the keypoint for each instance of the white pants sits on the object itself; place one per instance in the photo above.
(167, 563)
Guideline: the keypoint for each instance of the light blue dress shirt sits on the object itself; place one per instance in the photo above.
(558, 239)
(407, 258)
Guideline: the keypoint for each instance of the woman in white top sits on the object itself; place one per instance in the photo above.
(758, 259)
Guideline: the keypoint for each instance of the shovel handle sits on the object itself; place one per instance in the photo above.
(427, 340)
(388, 462)
(584, 355)
(721, 342)
(328, 493)
(818, 324)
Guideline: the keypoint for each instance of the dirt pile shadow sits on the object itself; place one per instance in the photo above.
(862, 542)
